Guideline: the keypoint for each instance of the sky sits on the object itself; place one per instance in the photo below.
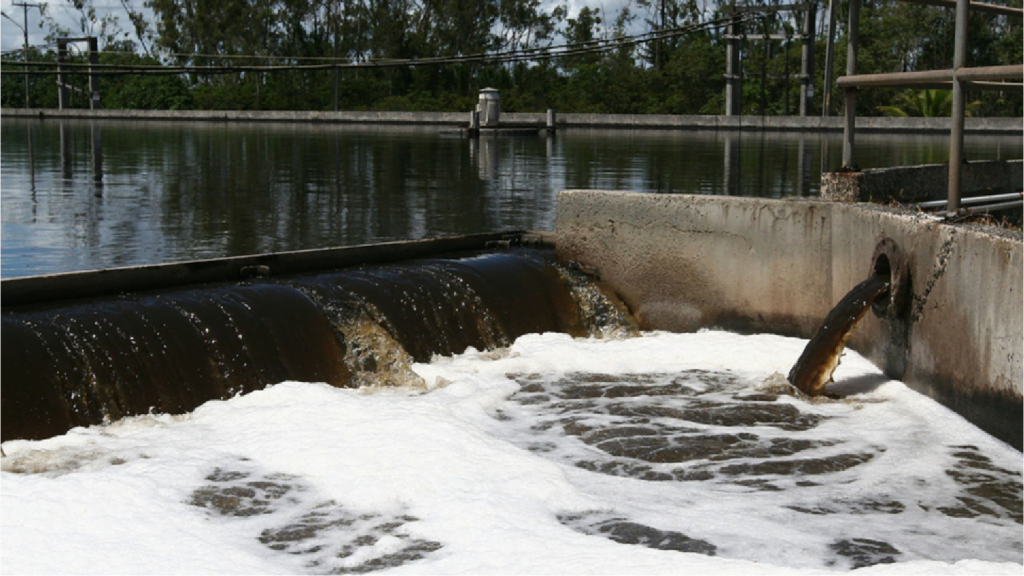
(12, 35)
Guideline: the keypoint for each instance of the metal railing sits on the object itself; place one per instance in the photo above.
(959, 78)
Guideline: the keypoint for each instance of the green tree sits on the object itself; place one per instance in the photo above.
(141, 91)
(931, 103)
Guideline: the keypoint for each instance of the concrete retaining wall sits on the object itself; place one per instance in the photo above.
(920, 183)
(686, 262)
(461, 119)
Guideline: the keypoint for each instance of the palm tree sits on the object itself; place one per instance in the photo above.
(930, 103)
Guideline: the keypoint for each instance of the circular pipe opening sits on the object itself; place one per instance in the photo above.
(880, 268)
(888, 263)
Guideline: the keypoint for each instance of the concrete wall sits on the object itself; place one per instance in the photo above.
(920, 183)
(461, 119)
(685, 262)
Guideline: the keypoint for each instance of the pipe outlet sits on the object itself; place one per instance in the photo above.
(888, 263)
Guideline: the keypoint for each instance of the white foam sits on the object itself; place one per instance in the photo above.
(450, 471)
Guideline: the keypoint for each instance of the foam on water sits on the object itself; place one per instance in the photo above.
(667, 453)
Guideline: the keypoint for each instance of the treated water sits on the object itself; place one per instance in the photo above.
(80, 195)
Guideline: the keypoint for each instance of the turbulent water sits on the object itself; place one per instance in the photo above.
(661, 453)
(77, 363)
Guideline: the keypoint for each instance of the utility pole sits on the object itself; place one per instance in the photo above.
(24, 15)
(334, 50)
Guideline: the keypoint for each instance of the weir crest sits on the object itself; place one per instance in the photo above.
(87, 362)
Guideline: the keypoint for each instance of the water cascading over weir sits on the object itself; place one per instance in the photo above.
(84, 361)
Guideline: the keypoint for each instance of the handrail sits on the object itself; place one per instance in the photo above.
(924, 77)
(959, 77)
(975, 7)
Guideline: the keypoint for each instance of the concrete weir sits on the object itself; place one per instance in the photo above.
(683, 262)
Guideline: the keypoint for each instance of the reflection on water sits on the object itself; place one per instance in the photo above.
(83, 194)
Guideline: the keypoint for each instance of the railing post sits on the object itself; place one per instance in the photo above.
(956, 133)
(94, 79)
(62, 76)
(807, 59)
(733, 85)
(826, 98)
(851, 93)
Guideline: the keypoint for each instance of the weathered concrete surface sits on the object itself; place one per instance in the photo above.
(686, 262)
(921, 183)
(539, 119)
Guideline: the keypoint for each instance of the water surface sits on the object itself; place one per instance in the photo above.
(86, 194)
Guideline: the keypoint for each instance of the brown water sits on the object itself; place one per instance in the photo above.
(84, 363)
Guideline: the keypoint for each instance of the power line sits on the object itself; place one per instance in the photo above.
(329, 63)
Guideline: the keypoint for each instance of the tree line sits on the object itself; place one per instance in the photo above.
(264, 49)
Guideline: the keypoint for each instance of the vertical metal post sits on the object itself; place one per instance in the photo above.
(550, 121)
(851, 93)
(785, 56)
(62, 76)
(765, 45)
(334, 52)
(830, 56)
(24, 21)
(94, 79)
(807, 59)
(733, 86)
(956, 135)
(826, 97)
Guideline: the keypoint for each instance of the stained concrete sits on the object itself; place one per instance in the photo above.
(921, 183)
(684, 262)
